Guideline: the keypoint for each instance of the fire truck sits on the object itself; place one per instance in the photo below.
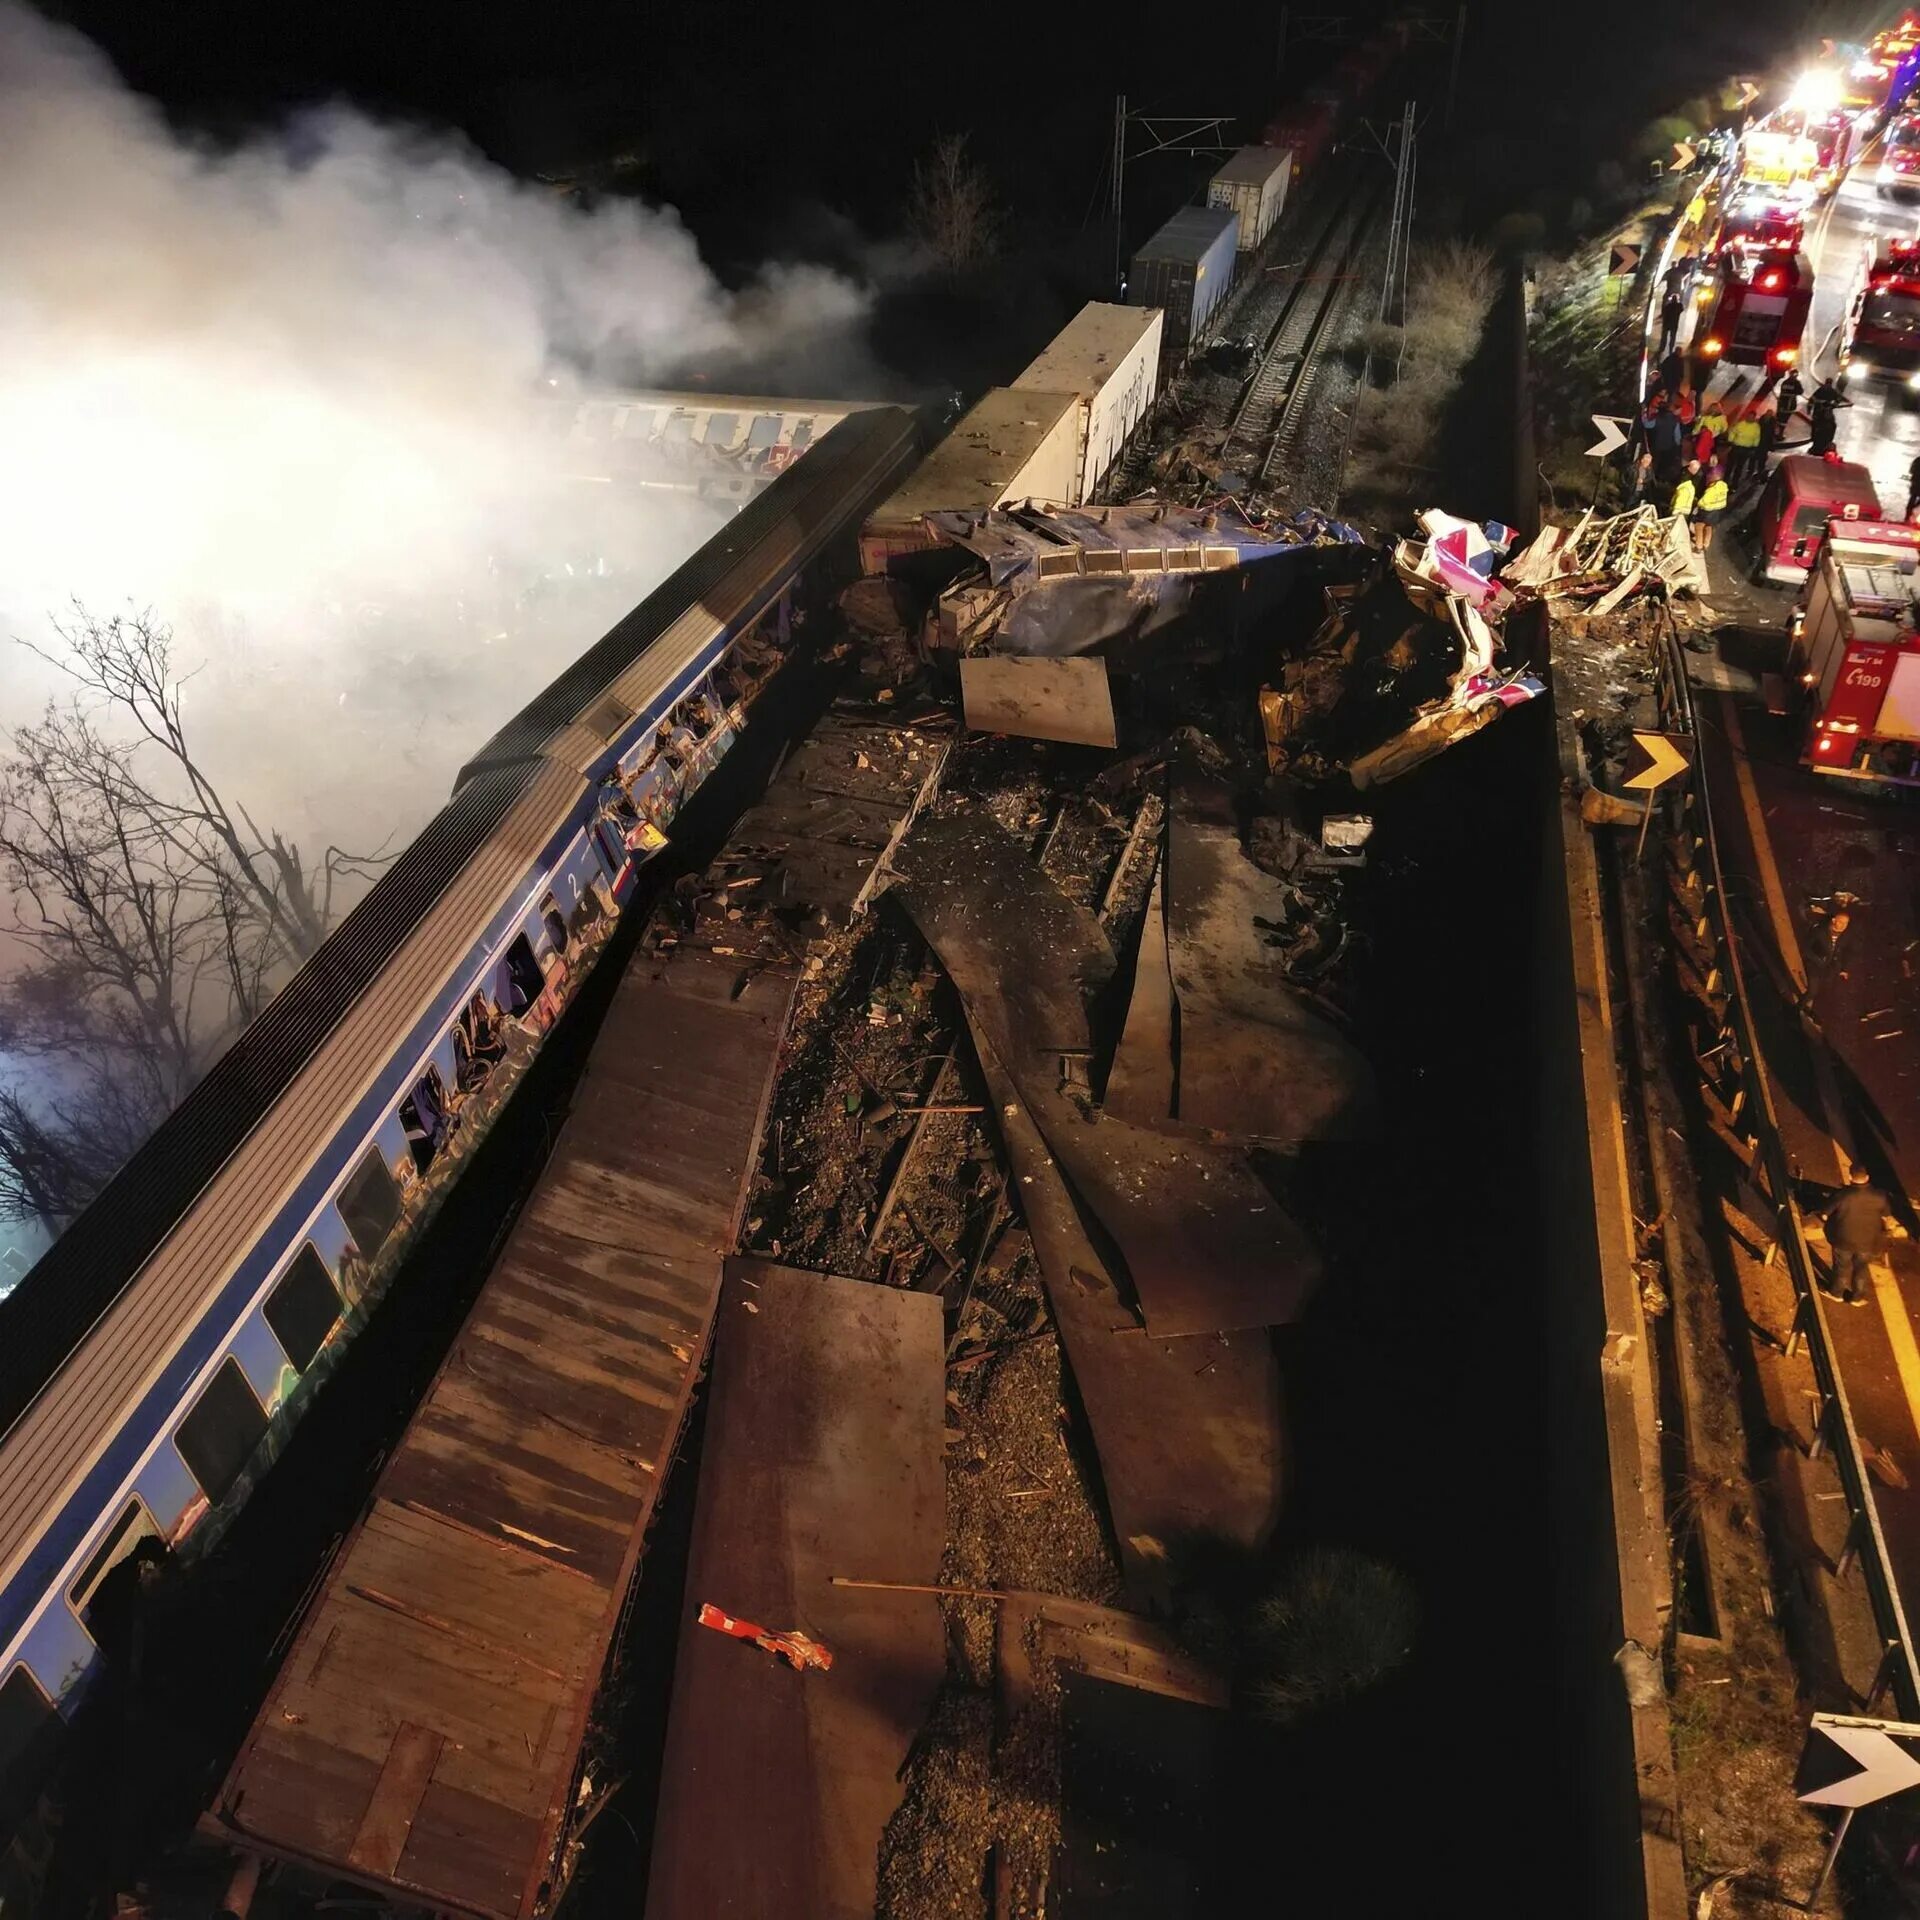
(1755, 310)
(1761, 220)
(1773, 157)
(1835, 135)
(1855, 648)
(1881, 337)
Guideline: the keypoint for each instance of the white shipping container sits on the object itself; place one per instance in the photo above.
(1254, 184)
(1015, 445)
(1110, 356)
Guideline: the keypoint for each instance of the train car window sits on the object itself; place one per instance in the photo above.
(303, 1307)
(802, 435)
(525, 981)
(555, 923)
(477, 1046)
(369, 1202)
(764, 432)
(30, 1734)
(218, 1437)
(721, 427)
(424, 1118)
(135, 1525)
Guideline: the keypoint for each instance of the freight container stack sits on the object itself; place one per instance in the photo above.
(1186, 270)
(1254, 184)
(1015, 445)
(1110, 357)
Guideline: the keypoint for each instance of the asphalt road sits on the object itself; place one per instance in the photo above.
(1847, 1080)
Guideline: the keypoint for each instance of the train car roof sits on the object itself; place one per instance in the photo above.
(808, 494)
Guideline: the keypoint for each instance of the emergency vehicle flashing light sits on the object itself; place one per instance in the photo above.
(1710, 346)
(1785, 356)
(1772, 277)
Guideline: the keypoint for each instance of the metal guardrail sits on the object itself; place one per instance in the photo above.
(1739, 1092)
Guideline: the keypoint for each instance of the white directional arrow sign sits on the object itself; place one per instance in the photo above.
(1667, 754)
(1852, 1763)
(1625, 258)
(1613, 434)
(1685, 153)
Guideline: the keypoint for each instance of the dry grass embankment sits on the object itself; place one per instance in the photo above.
(1413, 373)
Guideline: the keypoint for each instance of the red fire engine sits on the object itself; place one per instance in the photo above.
(1882, 335)
(1761, 220)
(1857, 654)
(1756, 309)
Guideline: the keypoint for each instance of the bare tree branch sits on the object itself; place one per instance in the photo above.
(951, 208)
(159, 916)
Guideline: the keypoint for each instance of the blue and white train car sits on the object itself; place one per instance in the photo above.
(152, 1361)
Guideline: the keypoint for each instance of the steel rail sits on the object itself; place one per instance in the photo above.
(1287, 418)
(1835, 1418)
(1273, 352)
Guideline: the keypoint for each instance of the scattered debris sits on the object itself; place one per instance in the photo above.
(1606, 559)
(799, 1650)
(1127, 581)
(1038, 699)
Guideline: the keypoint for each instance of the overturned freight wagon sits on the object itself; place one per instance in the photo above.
(1253, 184)
(1016, 444)
(1109, 358)
(1186, 270)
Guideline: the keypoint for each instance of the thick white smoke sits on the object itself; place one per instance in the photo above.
(295, 399)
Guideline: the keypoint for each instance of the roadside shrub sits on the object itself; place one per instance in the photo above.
(1451, 289)
(1334, 1624)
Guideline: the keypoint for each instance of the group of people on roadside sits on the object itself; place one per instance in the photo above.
(1692, 452)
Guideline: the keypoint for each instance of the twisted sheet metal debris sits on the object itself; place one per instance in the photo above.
(1216, 1037)
(1205, 1244)
(1600, 554)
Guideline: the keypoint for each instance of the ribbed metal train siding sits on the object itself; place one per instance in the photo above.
(86, 1269)
(818, 495)
(66, 1427)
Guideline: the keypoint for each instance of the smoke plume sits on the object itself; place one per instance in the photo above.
(305, 401)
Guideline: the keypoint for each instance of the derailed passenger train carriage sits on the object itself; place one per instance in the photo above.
(152, 1361)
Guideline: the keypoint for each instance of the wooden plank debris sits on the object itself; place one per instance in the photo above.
(423, 1732)
(823, 1446)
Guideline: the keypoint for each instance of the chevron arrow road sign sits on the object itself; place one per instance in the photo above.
(1667, 754)
(1852, 1763)
(1613, 433)
(1625, 258)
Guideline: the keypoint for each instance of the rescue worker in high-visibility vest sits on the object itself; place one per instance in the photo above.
(1744, 459)
(1709, 430)
(1711, 504)
(1684, 495)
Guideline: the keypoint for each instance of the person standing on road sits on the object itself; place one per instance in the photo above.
(1710, 430)
(1671, 308)
(1856, 1236)
(1685, 492)
(1712, 504)
(1787, 400)
(1673, 283)
(1743, 449)
(1823, 409)
(1667, 442)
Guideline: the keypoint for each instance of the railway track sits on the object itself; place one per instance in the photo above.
(1302, 316)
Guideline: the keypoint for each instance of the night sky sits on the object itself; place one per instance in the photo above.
(791, 132)
(744, 111)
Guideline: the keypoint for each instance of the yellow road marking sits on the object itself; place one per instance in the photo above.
(1886, 1288)
(1906, 1351)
